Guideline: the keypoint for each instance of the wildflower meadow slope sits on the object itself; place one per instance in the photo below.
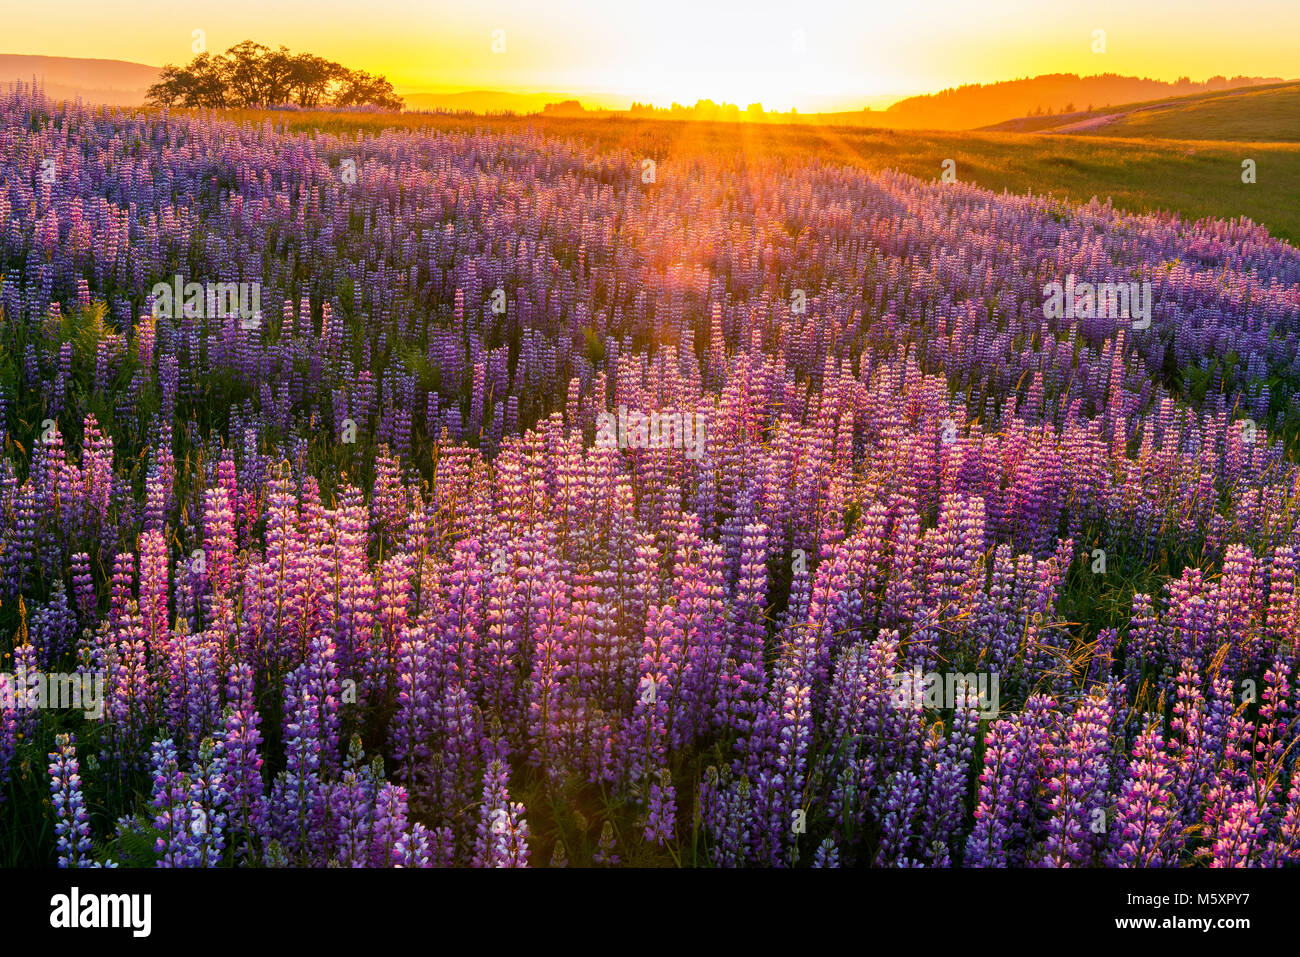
(953, 580)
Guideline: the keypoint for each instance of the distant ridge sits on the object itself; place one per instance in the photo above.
(976, 105)
(1024, 105)
(124, 83)
(112, 82)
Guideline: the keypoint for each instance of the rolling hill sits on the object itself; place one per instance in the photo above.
(1263, 114)
(112, 82)
(979, 105)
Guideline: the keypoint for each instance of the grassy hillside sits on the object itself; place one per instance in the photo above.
(1194, 180)
(975, 105)
(1268, 114)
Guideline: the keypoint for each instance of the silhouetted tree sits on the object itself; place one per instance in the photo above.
(243, 73)
(312, 77)
(362, 89)
(201, 84)
(252, 74)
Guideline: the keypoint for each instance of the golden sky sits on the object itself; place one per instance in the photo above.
(811, 54)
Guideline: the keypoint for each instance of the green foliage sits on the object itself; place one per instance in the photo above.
(595, 344)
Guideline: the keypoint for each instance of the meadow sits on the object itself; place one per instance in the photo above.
(1182, 167)
(366, 587)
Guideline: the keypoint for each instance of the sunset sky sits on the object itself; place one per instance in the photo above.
(815, 54)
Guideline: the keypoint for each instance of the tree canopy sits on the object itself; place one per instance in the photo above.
(252, 74)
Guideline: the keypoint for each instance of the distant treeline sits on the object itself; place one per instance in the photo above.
(705, 110)
(251, 74)
(702, 110)
(960, 108)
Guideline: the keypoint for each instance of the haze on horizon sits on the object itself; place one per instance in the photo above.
(817, 55)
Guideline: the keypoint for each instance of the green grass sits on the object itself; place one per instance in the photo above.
(1267, 115)
(1193, 179)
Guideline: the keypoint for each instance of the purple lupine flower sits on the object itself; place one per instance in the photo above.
(605, 854)
(1013, 752)
(219, 545)
(1080, 776)
(1239, 834)
(899, 806)
(389, 826)
(413, 848)
(352, 810)
(647, 731)
(153, 592)
(130, 706)
(726, 810)
(208, 799)
(298, 796)
(744, 675)
(779, 787)
(951, 760)
(53, 627)
(73, 822)
(1188, 744)
(700, 621)
(551, 667)
(416, 717)
(502, 838)
(661, 812)
(1146, 823)
(498, 677)
(321, 683)
(84, 587)
(1284, 848)
(454, 768)
(175, 844)
(826, 855)
(242, 775)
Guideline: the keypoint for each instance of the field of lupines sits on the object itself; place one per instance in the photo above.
(365, 587)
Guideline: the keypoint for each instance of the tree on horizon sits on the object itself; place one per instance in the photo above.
(252, 74)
